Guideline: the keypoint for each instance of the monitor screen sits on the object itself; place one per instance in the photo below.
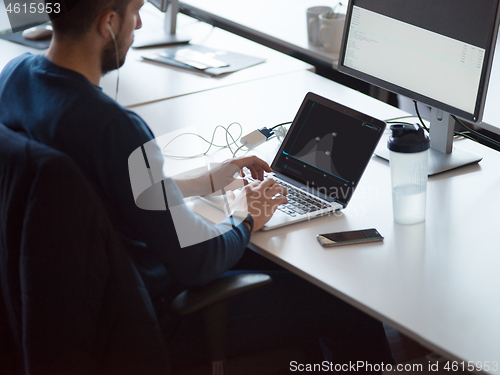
(436, 52)
(25, 14)
(328, 147)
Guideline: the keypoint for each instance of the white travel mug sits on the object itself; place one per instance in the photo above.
(312, 14)
(331, 29)
(409, 148)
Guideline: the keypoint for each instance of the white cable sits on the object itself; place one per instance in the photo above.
(279, 133)
(117, 61)
(405, 117)
(210, 143)
(238, 149)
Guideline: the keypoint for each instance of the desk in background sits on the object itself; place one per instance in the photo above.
(144, 82)
(437, 282)
(276, 24)
(282, 26)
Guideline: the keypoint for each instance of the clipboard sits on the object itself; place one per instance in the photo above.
(205, 60)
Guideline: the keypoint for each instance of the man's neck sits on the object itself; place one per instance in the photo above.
(79, 56)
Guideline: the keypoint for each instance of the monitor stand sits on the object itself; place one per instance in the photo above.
(166, 37)
(443, 155)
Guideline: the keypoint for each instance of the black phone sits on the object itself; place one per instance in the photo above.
(349, 237)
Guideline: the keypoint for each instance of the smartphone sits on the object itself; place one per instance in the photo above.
(349, 238)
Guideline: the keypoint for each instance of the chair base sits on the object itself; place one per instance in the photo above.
(218, 368)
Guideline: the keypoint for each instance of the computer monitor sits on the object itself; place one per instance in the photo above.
(167, 36)
(435, 52)
(25, 14)
(17, 16)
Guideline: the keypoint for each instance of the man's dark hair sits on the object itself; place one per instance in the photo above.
(76, 16)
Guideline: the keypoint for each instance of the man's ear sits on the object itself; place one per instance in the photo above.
(108, 23)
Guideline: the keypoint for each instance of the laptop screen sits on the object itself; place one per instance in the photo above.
(328, 147)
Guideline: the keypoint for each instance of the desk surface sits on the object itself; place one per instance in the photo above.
(280, 25)
(437, 281)
(143, 82)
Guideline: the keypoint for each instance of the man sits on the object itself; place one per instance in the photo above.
(56, 100)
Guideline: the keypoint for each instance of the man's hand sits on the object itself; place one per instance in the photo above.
(256, 166)
(261, 199)
(204, 181)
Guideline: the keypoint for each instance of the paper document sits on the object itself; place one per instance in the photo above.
(203, 59)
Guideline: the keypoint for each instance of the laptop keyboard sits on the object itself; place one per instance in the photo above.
(299, 203)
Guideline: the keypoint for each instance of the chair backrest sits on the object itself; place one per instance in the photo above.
(71, 300)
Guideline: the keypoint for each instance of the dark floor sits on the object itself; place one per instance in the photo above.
(404, 348)
(278, 362)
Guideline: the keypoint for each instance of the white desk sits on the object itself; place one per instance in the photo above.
(277, 24)
(143, 82)
(438, 281)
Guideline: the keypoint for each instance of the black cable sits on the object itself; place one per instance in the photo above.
(465, 134)
(420, 118)
(283, 123)
(470, 130)
(398, 122)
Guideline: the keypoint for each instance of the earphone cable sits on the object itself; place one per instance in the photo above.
(117, 61)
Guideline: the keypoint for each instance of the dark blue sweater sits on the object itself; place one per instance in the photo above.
(62, 109)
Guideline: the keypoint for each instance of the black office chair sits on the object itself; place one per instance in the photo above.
(71, 300)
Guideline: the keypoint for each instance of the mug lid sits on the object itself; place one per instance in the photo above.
(407, 138)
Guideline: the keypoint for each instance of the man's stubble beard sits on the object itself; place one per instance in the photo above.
(108, 60)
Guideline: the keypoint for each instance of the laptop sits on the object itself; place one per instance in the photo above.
(321, 160)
